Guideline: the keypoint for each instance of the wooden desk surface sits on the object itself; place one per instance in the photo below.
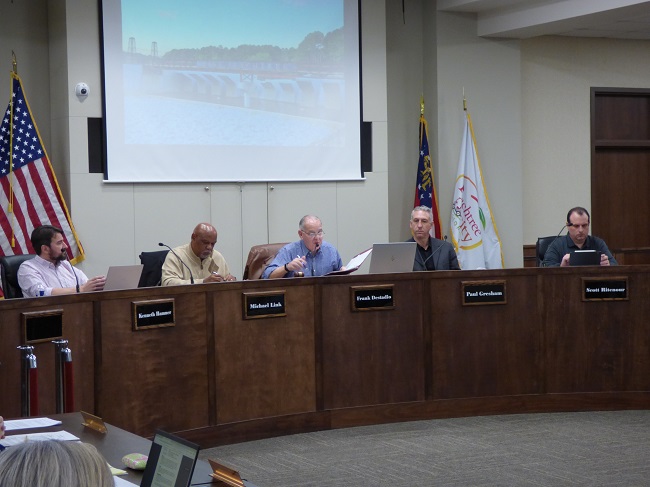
(217, 377)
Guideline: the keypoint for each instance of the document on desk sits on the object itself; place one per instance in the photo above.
(14, 440)
(353, 265)
(122, 482)
(29, 423)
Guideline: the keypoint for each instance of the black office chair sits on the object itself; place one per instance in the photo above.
(9, 265)
(152, 270)
(541, 246)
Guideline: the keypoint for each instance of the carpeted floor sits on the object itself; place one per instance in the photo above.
(556, 449)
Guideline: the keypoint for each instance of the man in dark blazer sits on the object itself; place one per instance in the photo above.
(431, 254)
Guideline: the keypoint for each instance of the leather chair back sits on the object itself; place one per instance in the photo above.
(541, 246)
(9, 265)
(259, 257)
(152, 270)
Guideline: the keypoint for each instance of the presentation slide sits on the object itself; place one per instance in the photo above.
(231, 90)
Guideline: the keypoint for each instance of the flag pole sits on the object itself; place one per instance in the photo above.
(10, 206)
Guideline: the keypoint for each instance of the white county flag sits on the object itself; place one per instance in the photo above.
(473, 231)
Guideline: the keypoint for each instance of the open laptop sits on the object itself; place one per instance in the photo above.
(171, 461)
(584, 257)
(123, 277)
(392, 257)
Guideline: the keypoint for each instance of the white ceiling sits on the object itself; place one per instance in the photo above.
(522, 19)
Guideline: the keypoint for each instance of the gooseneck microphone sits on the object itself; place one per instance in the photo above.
(432, 254)
(76, 278)
(179, 258)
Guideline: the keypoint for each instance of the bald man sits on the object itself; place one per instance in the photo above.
(207, 264)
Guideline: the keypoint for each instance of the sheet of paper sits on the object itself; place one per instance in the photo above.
(29, 423)
(54, 435)
(358, 259)
(119, 482)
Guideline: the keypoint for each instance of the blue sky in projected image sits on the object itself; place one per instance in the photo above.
(200, 23)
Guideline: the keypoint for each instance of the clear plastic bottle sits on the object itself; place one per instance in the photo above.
(40, 291)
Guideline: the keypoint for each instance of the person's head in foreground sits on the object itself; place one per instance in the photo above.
(54, 464)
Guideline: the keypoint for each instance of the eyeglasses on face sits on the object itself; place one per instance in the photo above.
(319, 233)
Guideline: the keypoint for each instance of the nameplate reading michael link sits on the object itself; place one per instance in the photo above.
(612, 289)
(366, 298)
(157, 313)
(483, 292)
(264, 305)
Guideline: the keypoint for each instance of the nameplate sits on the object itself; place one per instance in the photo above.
(612, 289)
(155, 313)
(366, 298)
(483, 292)
(264, 305)
(42, 326)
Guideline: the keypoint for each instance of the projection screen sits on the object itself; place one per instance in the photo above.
(231, 90)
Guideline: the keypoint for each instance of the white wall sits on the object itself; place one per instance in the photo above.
(489, 71)
(117, 221)
(557, 76)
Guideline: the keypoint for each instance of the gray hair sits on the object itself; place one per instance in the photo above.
(54, 464)
(301, 224)
(425, 209)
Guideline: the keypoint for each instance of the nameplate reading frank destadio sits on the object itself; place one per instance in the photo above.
(483, 292)
(612, 289)
(156, 313)
(366, 298)
(264, 305)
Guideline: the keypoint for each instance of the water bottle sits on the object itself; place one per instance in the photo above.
(40, 291)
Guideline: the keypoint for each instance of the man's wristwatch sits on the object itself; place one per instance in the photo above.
(286, 269)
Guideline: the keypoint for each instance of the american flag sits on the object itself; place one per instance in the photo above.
(29, 193)
(425, 191)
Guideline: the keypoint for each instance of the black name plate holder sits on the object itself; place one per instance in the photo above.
(42, 326)
(477, 293)
(610, 289)
(367, 298)
(269, 304)
(154, 313)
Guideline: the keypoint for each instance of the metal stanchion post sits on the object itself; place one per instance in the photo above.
(28, 382)
(63, 371)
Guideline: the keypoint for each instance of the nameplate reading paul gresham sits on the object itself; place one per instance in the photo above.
(365, 298)
(483, 292)
(156, 313)
(612, 289)
(264, 305)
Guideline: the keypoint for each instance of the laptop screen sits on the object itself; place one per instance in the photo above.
(171, 461)
(392, 257)
(123, 277)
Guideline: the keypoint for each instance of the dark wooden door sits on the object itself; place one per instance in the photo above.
(620, 171)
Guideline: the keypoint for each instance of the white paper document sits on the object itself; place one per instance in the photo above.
(29, 423)
(54, 435)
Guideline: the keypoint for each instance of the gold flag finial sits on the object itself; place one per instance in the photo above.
(14, 63)
(422, 105)
(464, 100)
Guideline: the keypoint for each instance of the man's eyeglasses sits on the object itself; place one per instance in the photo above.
(319, 233)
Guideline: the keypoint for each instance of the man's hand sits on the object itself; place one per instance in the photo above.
(604, 260)
(94, 284)
(565, 260)
(297, 264)
(214, 277)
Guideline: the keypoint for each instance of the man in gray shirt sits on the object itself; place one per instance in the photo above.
(577, 238)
